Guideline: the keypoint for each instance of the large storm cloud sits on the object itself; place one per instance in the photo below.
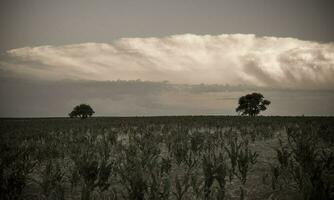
(297, 76)
(223, 59)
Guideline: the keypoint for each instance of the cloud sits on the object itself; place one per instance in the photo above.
(235, 59)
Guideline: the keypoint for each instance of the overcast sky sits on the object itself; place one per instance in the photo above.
(284, 49)
(60, 22)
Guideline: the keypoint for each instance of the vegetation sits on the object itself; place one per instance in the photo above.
(167, 158)
(252, 104)
(83, 111)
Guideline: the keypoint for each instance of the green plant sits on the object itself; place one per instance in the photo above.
(306, 165)
(91, 169)
(233, 153)
(16, 164)
(182, 186)
(214, 168)
(52, 180)
(241, 158)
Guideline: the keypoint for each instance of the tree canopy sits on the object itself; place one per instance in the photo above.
(83, 111)
(252, 104)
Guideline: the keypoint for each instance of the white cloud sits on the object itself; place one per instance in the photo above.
(223, 59)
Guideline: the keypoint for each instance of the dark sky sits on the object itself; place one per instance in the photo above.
(60, 22)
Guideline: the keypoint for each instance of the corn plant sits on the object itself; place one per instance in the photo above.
(214, 168)
(306, 165)
(246, 159)
(16, 164)
(161, 157)
(140, 171)
(196, 185)
(280, 174)
(196, 142)
(134, 182)
(182, 185)
(241, 159)
(159, 185)
(95, 174)
(208, 171)
(233, 150)
(52, 181)
(93, 170)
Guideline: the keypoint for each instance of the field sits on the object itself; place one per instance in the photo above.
(190, 157)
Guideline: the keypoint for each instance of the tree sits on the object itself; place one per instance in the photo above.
(252, 104)
(83, 111)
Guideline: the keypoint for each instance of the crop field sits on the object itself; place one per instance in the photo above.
(181, 158)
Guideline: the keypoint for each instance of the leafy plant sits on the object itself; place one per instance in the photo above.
(214, 168)
(306, 165)
(16, 164)
(52, 180)
(241, 158)
(182, 186)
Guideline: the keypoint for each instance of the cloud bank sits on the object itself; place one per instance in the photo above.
(235, 59)
(39, 98)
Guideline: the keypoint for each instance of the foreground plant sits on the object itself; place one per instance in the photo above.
(241, 158)
(16, 164)
(214, 169)
(305, 164)
(182, 186)
(92, 168)
(52, 180)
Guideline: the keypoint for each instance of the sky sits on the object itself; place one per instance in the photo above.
(175, 57)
